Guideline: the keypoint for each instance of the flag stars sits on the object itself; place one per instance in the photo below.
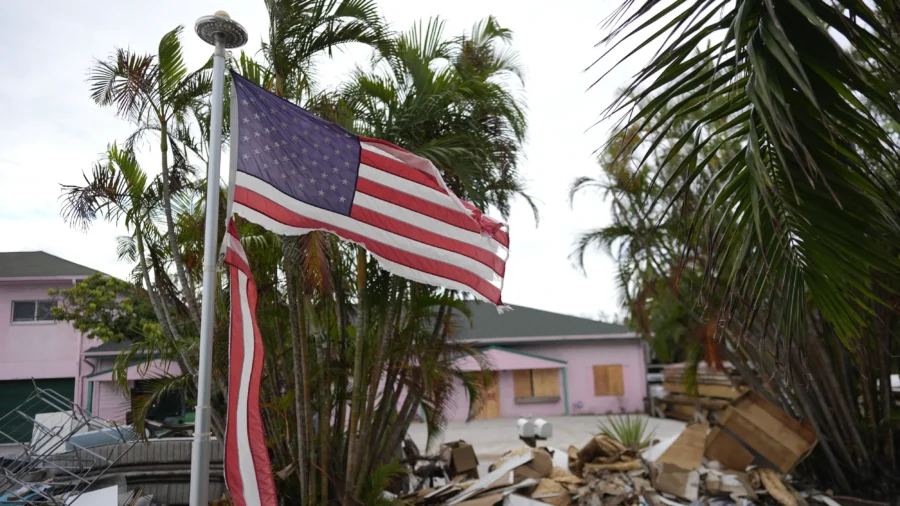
(265, 165)
(344, 181)
(305, 151)
(326, 158)
(273, 110)
(246, 138)
(268, 148)
(321, 193)
(283, 175)
(246, 156)
(256, 134)
(245, 102)
(342, 199)
(337, 151)
(293, 172)
(312, 180)
(315, 145)
(293, 155)
(284, 123)
(324, 175)
(301, 185)
(315, 163)
(256, 151)
(335, 170)
(346, 164)
(284, 158)
(333, 187)
(246, 120)
(256, 115)
(275, 161)
(268, 130)
(295, 138)
(327, 140)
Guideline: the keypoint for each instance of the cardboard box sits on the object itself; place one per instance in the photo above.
(768, 431)
(727, 450)
(686, 451)
(460, 458)
(672, 479)
(541, 466)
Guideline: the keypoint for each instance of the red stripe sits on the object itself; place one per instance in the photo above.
(415, 233)
(399, 169)
(425, 207)
(257, 437)
(384, 143)
(236, 360)
(283, 215)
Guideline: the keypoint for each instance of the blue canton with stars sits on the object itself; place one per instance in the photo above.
(300, 154)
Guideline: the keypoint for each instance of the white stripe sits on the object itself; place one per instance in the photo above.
(410, 187)
(418, 163)
(235, 245)
(244, 455)
(351, 225)
(375, 148)
(420, 220)
(392, 267)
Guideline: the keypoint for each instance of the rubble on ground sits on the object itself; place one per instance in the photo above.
(744, 459)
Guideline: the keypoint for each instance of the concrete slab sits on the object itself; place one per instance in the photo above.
(493, 438)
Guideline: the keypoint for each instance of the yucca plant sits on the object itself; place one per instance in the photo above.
(628, 429)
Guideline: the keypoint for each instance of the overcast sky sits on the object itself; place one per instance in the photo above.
(51, 131)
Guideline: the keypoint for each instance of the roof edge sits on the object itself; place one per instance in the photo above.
(535, 339)
(46, 278)
(531, 355)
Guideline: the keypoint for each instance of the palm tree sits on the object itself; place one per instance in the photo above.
(157, 93)
(119, 189)
(450, 100)
(798, 228)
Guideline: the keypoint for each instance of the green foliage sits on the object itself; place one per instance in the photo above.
(106, 308)
(378, 480)
(628, 429)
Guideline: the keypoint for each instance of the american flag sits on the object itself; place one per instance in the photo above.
(248, 473)
(294, 172)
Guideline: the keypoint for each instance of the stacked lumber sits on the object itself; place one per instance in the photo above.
(715, 389)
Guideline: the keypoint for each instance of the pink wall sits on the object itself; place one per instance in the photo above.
(41, 349)
(581, 357)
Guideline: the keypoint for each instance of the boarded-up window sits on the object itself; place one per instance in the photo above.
(536, 383)
(608, 380)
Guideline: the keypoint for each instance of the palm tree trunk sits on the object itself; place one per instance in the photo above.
(375, 375)
(361, 329)
(293, 310)
(186, 290)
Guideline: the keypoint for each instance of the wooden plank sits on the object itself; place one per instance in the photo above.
(616, 379)
(545, 382)
(719, 391)
(522, 383)
(601, 381)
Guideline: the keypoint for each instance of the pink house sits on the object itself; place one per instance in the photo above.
(36, 350)
(550, 364)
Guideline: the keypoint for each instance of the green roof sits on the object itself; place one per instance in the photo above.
(38, 264)
(109, 347)
(523, 321)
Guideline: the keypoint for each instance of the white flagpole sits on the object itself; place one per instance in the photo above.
(224, 33)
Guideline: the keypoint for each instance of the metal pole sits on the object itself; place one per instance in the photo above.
(222, 32)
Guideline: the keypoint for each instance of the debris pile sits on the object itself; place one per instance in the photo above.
(716, 388)
(744, 459)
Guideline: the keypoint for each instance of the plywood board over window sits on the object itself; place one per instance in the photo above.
(539, 385)
(608, 380)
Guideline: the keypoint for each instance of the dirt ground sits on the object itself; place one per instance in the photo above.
(492, 438)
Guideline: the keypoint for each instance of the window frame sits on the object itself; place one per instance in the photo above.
(35, 314)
